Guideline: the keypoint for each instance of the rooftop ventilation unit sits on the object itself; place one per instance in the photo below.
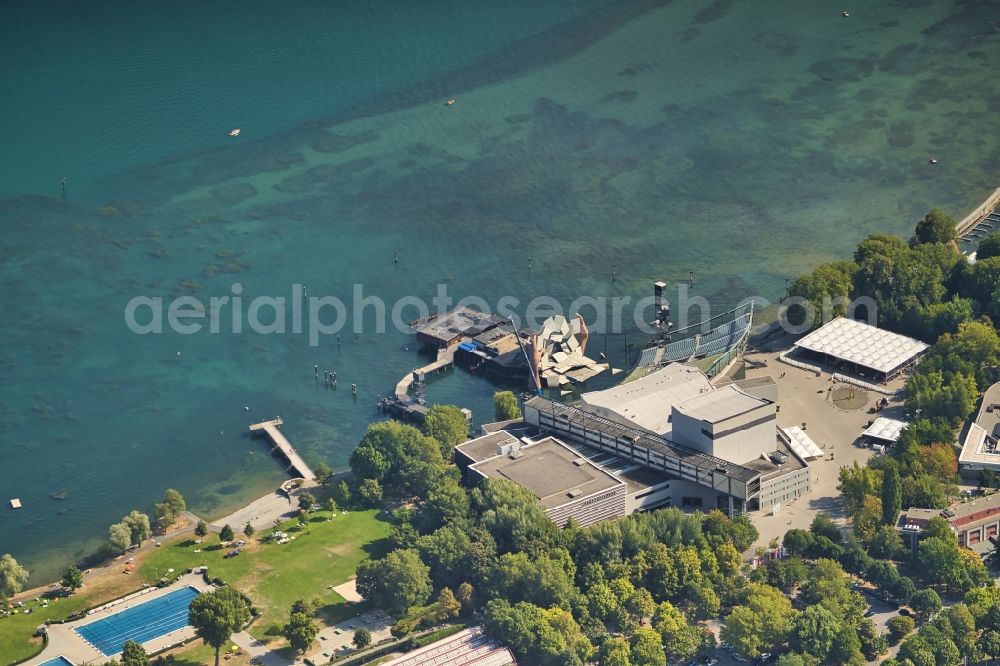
(516, 454)
(580, 462)
(576, 492)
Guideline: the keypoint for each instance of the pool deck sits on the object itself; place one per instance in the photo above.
(64, 641)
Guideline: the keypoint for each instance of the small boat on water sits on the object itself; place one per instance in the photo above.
(234, 132)
(449, 102)
(845, 13)
(933, 160)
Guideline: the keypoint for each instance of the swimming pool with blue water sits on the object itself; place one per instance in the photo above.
(58, 661)
(141, 623)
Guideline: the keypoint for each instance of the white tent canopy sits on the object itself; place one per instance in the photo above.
(885, 429)
(862, 344)
(802, 444)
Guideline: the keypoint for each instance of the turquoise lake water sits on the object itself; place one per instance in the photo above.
(742, 141)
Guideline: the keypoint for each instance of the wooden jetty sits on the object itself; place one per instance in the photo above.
(982, 211)
(405, 405)
(295, 461)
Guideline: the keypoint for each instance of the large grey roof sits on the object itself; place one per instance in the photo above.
(647, 401)
(720, 404)
(865, 345)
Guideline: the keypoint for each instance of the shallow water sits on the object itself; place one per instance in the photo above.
(663, 138)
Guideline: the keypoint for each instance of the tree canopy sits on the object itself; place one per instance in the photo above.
(217, 615)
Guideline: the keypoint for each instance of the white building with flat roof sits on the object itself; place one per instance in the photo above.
(981, 438)
(645, 403)
(727, 423)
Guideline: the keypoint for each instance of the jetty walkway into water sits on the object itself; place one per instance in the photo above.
(403, 403)
(295, 461)
(981, 222)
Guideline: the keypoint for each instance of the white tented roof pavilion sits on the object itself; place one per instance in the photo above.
(802, 444)
(863, 345)
(885, 430)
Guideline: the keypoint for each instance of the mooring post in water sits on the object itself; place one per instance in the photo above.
(62, 184)
(338, 342)
(613, 273)
(396, 256)
(690, 277)
(316, 372)
(354, 390)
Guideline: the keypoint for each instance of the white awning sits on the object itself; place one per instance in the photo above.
(802, 444)
(885, 429)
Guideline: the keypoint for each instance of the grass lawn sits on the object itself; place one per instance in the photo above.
(199, 654)
(324, 554)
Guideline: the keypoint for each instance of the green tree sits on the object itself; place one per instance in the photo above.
(826, 289)
(396, 582)
(138, 525)
(545, 580)
(330, 505)
(647, 648)
(886, 545)
(681, 639)
(822, 525)
(447, 425)
(892, 494)
(306, 501)
(506, 407)
(12, 576)
(72, 578)
(446, 606)
(342, 493)
(300, 631)
(899, 627)
(539, 636)
(742, 630)
(917, 650)
(134, 655)
(201, 529)
(163, 516)
(370, 492)
(217, 615)
(368, 462)
(798, 542)
(447, 503)
(466, 594)
(989, 247)
(873, 643)
(248, 530)
(226, 535)
(362, 638)
(616, 652)
(120, 536)
(511, 514)
(846, 648)
(857, 483)
(814, 631)
(925, 602)
(175, 500)
(324, 474)
(989, 642)
(936, 227)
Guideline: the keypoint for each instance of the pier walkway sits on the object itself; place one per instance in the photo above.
(295, 461)
(981, 222)
(403, 403)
